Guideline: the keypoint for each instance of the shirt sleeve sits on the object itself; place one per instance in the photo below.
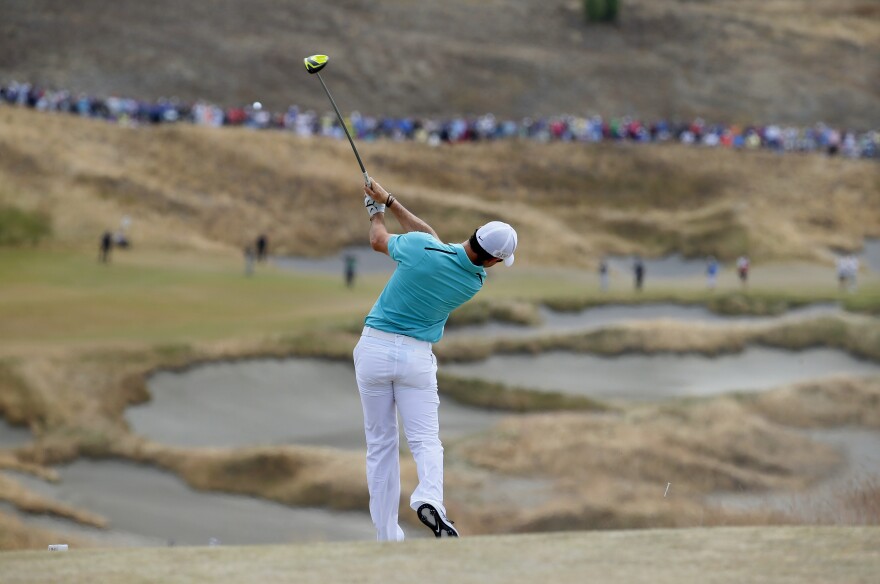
(406, 249)
(393, 246)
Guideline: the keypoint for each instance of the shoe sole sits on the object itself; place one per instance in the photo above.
(429, 516)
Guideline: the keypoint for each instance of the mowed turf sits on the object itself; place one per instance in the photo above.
(57, 299)
(51, 298)
(67, 297)
(800, 555)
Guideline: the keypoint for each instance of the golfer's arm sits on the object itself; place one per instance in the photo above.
(379, 233)
(409, 221)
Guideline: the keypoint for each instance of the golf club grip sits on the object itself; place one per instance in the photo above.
(345, 128)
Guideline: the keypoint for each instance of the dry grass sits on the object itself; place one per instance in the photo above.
(481, 312)
(298, 476)
(826, 404)
(855, 334)
(15, 535)
(500, 397)
(12, 492)
(197, 188)
(611, 471)
(18, 405)
(807, 555)
(863, 503)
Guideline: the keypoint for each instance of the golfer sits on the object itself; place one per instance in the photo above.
(395, 367)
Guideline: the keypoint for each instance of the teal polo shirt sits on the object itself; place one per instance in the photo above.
(431, 280)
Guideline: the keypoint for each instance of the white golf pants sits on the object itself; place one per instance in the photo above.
(398, 373)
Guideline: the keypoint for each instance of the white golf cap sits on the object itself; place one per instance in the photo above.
(499, 240)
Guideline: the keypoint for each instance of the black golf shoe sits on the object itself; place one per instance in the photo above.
(436, 521)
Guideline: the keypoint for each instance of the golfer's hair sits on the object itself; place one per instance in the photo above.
(483, 256)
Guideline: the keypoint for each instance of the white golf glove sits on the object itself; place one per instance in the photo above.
(372, 206)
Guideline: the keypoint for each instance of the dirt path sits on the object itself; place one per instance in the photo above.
(755, 555)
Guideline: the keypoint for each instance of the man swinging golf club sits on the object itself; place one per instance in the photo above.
(395, 367)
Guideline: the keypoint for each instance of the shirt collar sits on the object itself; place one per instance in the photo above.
(466, 262)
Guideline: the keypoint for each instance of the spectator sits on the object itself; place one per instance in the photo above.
(249, 257)
(603, 275)
(852, 272)
(105, 247)
(711, 272)
(742, 268)
(565, 128)
(262, 246)
(120, 240)
(842, 272)
(350, 266)
(639, 272)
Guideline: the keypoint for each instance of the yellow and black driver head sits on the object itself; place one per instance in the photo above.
(315, 63)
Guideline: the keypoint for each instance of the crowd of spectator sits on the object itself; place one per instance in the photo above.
(779, 138)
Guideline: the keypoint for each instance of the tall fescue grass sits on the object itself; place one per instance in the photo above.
(500, 397)
(19, 404)
(855, 503)
(571, 203)
(857, 336)
(864, 502)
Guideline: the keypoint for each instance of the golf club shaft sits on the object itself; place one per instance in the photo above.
(344, 127)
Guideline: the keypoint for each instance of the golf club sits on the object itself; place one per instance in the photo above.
(314, 64)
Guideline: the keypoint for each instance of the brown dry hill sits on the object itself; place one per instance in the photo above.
(192, 187)
(799, 61)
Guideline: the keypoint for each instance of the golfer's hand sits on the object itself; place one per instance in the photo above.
(372, 206)
(376, 192)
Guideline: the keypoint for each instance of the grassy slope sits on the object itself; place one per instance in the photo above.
(748, 61)
(804, 555)
(198, 188)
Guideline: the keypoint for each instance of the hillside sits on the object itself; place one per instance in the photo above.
(749, 61)
(193, 187)
(686, 556)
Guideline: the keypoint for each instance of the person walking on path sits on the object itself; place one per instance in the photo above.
(350, 269)
(711, 272)
(639, 272)
(395, 367)
(742, 268)
(852, 272)
(842, 272)
(262, 247)
(249, 258)
(105, 247)
(603, 275)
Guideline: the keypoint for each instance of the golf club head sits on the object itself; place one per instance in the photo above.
(315, 63)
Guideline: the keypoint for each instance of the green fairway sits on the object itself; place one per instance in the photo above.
(67, 298)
